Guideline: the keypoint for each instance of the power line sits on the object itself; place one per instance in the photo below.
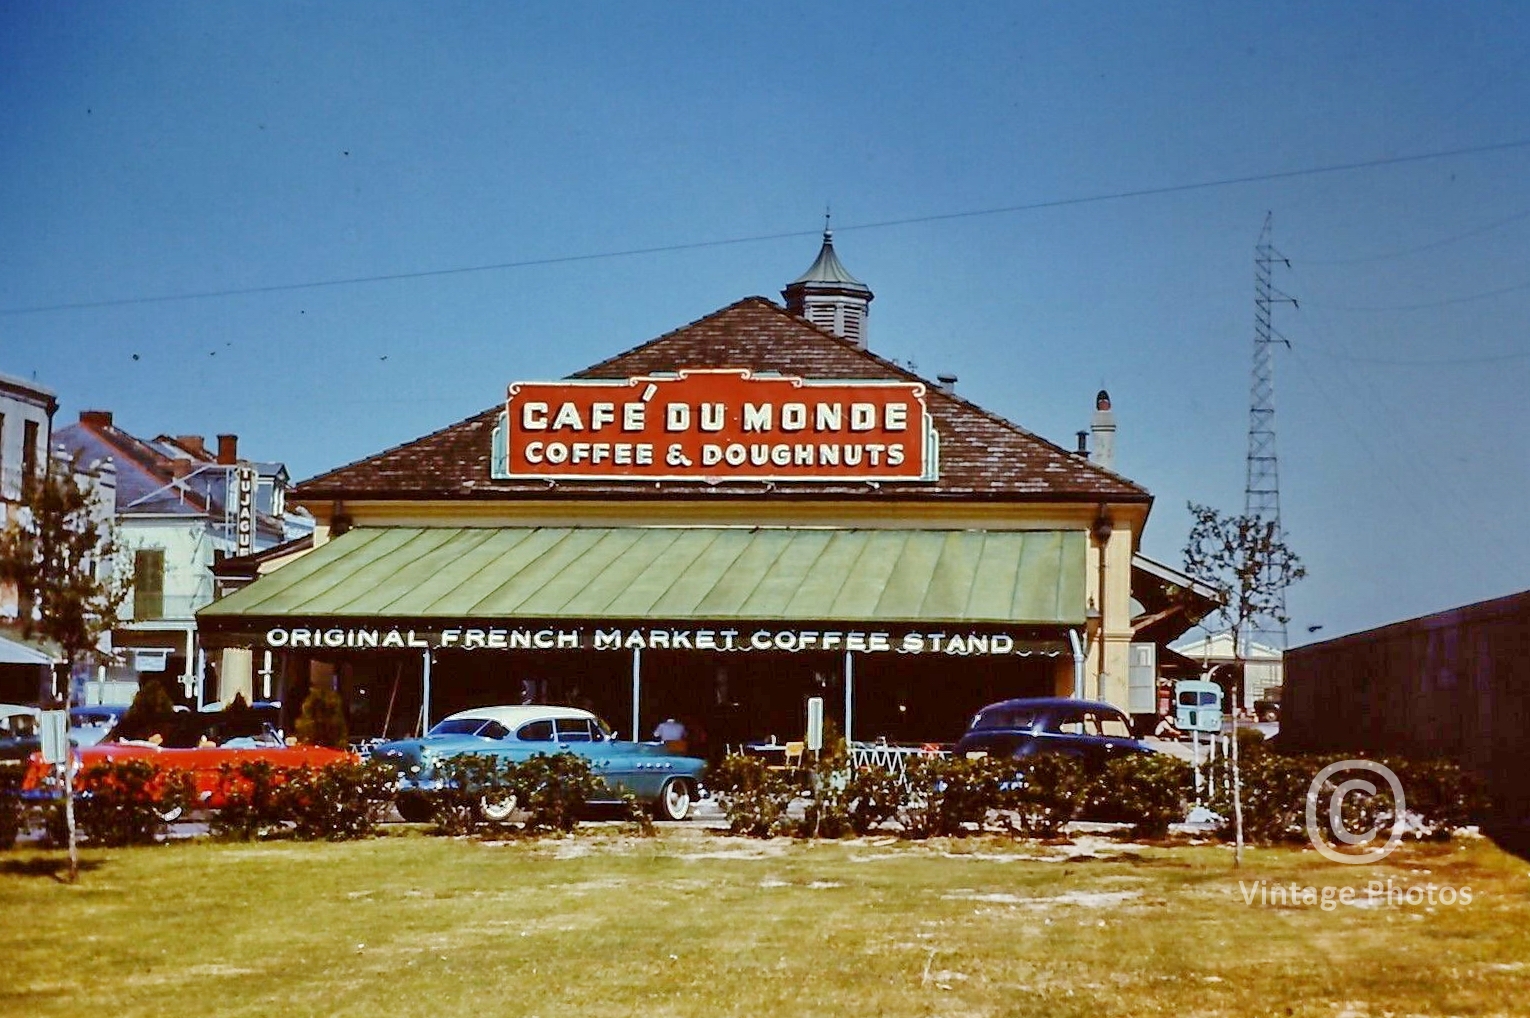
(1498, 224)
(1144, 192)
(1445, 302)
(1426, 362)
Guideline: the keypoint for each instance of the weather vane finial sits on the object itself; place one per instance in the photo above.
(827, 213)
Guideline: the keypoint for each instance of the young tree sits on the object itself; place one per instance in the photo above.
(322, 721)
(1245, 558)
(58, 551)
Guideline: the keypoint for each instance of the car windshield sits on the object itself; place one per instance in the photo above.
(1005, 717)
(18, 724)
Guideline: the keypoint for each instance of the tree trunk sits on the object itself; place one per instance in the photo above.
(1236, 776)
(74, 843)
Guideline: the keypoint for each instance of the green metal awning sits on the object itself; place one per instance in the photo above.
(767, 574)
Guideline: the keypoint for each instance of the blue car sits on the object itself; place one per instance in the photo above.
(664, 781)
(1090, 731)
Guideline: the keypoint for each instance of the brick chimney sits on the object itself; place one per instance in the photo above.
(194, 444)
(96, 418)
(228, 450)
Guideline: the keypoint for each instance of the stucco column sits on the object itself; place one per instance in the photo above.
(1110, 638)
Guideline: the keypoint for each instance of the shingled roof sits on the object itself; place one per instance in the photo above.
(982, 456)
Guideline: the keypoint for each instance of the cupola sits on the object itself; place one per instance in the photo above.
(829, 296)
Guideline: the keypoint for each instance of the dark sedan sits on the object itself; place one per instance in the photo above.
(1091, 731)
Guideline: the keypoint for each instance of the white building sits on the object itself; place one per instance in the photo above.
(1263, 666)
(178, 512)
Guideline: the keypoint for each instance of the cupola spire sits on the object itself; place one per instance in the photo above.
(829, 296)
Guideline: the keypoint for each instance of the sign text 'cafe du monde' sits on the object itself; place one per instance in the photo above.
(712, 424)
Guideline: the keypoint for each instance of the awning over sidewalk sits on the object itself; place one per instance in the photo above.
(16, 651)
(765, 574)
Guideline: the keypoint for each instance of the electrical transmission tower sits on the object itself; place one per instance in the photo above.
(1261, 490)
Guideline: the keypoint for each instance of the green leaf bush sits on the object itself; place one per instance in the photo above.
(552, 789)
(1439, 796)
(130, 802)
(754, 796)
(338, 802)
(1038, 795)
(252, 806)
(469, 779)
(1150, 791)
(550, 792)
(843, 801)
(11, 773)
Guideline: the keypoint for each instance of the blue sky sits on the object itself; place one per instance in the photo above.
(154, 150)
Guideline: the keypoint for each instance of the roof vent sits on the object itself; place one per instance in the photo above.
(947, 384)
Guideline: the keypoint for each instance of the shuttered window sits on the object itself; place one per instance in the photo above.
(148, 584)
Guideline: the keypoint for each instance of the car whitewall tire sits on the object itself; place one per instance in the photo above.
(674, 801)
(497, 807)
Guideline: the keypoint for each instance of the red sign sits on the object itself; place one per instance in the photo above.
(713, 425)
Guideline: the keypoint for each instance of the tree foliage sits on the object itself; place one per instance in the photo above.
(151, 711)
(322, 721)
(58, 553)
(1246, 559)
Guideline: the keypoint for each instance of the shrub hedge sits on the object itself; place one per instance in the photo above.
(1439, 797)
(130, 802)
(11, 773)
(549, 792)
(953, 796)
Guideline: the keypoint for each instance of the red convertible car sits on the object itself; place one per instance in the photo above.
(196, 744)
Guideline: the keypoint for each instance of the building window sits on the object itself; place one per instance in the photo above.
(148, 584)
(28, 448)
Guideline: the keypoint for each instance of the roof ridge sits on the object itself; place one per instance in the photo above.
(149, 463)
(585, 372)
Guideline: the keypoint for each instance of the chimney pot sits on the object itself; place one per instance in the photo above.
(947, 383)
(96, 418)
(1103, 430)
(228, 450)
(1083, 444)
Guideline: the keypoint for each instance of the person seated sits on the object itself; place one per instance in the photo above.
(1167, 729)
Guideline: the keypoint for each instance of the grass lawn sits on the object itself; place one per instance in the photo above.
(694, 923)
